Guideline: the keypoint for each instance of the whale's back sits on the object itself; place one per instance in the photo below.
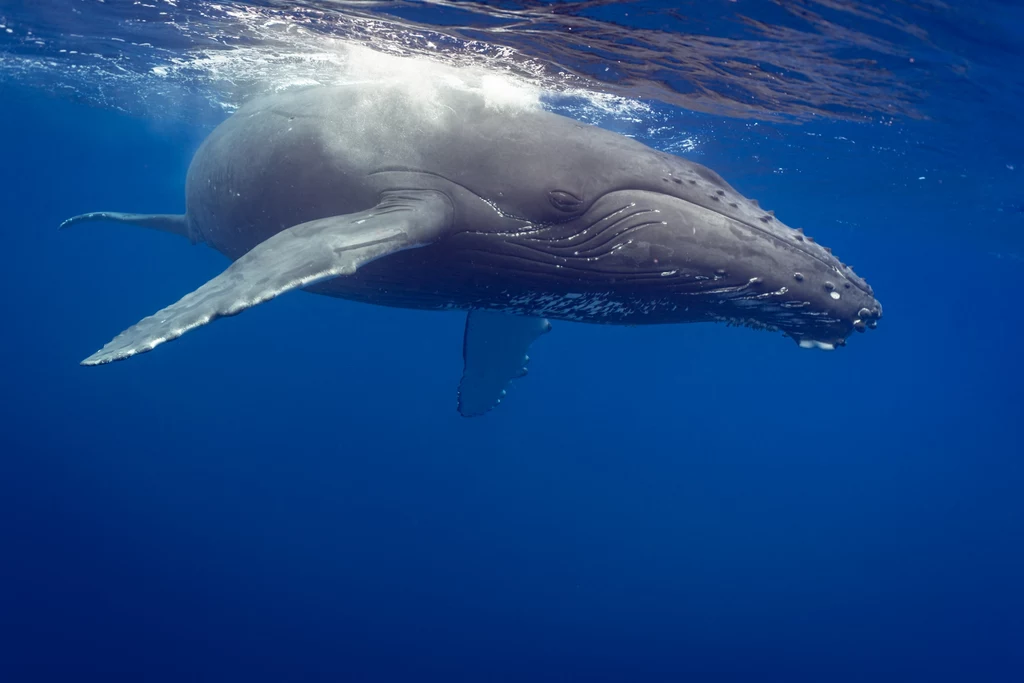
(301, 155)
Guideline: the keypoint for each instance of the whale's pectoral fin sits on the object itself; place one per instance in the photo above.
(174, 223)
(494, 351)
(297, 257)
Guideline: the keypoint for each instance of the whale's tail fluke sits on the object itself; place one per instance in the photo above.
(174, 223)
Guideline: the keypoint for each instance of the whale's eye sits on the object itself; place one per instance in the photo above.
(564, 201)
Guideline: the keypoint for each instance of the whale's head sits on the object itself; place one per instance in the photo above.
(649, 236)
(712, 251)
(674, 237)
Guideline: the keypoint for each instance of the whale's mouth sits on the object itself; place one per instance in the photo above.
(836, 334)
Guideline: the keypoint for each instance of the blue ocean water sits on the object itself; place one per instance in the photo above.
(290, 494)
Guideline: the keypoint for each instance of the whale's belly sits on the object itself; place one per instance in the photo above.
(440, 278)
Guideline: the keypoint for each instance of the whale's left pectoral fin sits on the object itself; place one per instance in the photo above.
(297, 257)
(494, 352)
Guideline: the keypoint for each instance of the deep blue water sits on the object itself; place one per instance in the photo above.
(290, 494)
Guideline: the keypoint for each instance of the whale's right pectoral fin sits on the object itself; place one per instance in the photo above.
(494, 351)
(297, 257)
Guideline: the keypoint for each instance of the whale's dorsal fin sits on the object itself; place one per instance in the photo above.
(494, 351)
(297, 257)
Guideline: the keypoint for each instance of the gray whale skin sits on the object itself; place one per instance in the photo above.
(516, 216)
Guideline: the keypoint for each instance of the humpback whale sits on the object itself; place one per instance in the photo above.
(517, 216)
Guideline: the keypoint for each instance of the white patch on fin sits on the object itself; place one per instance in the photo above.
(813, 344)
